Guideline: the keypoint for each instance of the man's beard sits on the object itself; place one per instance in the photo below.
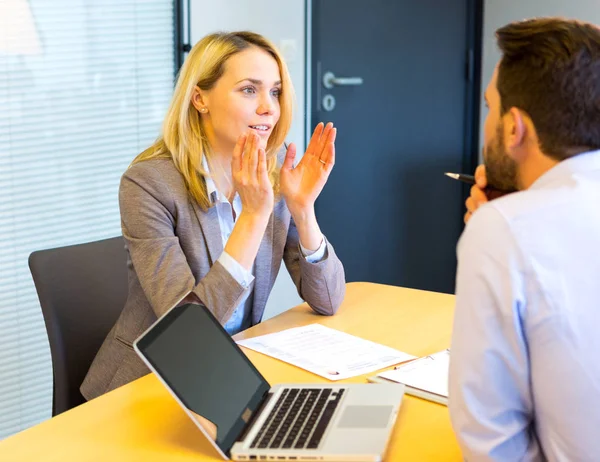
(500, 169)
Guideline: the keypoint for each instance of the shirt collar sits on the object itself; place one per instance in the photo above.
(211, 187)
(583, 162)
(214, 194)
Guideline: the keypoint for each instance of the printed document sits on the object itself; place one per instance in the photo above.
(327, 352)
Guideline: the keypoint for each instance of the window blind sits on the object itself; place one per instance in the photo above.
(84, 85)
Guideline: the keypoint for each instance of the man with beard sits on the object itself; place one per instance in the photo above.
(525, 374)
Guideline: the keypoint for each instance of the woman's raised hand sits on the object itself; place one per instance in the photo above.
(250, 176)
(300, 186)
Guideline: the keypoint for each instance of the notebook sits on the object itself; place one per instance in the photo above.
(426, 377)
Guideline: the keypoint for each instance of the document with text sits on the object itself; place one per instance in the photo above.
(327, 352)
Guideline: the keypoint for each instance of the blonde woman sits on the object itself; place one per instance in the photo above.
(210, 210)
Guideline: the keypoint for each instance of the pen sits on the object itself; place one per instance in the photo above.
(490, 192)
(469, 179)
(404, 363)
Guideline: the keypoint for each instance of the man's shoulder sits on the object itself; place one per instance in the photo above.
(487, 228)
(527, 205)
(519, 219)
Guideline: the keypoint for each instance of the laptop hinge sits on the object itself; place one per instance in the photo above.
(255, 415)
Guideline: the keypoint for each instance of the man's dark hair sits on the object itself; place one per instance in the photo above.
(550, 69)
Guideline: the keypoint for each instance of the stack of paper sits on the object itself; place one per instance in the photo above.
(426, 377)
(326, 352)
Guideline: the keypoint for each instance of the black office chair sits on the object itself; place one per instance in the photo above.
(82, 290)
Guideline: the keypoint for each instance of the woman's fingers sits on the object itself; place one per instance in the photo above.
(263, 175)
(321, 137)
(251, 157)
(236, 161)
(328, 154)
(290, 155)
(311, 150)
(252, 183)
(253, 160)
(333, 135)
(324, 139)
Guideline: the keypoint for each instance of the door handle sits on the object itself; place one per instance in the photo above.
(330, 80)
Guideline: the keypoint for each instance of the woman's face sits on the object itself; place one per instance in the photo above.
(246, 97)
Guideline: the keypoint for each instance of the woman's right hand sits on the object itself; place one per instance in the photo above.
(251, 181)
(250, 176)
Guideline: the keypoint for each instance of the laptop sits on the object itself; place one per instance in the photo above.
(244, 417)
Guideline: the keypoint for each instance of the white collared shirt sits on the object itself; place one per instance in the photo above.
(242, 317)
(525, 370)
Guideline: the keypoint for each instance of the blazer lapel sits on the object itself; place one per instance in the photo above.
(209, 224)
(262, 273)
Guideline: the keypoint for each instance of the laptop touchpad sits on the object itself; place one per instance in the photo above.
(365, 417)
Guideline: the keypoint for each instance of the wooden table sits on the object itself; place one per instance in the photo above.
(142, 422)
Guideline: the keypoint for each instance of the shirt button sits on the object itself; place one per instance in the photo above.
(243, 284)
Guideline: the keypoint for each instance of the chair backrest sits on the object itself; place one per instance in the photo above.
(82, 290)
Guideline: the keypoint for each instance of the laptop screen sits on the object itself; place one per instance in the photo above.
(205, 369)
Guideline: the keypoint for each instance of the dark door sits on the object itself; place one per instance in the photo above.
(388, 209)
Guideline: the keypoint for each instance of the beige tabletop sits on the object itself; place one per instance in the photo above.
(142, 422)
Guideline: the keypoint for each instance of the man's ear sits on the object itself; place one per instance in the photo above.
(515, 130)
(199, 100)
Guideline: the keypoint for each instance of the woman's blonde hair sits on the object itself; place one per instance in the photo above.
(184, 138)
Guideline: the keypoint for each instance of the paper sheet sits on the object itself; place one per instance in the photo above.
(326, 352)
(429, 373)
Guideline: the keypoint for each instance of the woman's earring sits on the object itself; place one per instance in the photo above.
(203, 109)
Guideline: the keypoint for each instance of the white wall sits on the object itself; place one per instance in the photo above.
(283, 22)
(500, 12)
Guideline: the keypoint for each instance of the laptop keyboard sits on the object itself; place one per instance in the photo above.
(299, 419)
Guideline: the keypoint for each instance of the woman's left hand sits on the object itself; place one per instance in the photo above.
(300, 186)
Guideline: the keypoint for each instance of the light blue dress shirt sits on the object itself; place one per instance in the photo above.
(525, 361)
(242, 316)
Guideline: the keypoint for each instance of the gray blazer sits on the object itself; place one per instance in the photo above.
(172, 250)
